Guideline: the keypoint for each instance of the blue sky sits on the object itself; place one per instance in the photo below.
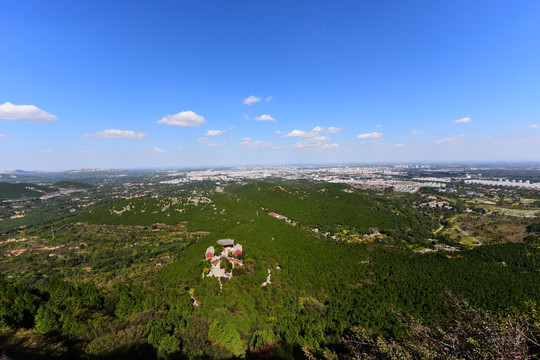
(138, 84)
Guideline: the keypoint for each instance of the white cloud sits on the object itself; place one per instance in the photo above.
(30, 113)
(232, 127)
(450, 140)
(246, 116)
(372, 135)
(378, 126)
(533, 126)
(416, 132)
(279, 132)
(265, 117)
(330, 146)
(251, 100)
(208, 142)
(314, 132)
(118, 134)
(269, 98)
(256, 144)
(215, 132)
(513, 142)
(158, 150)
(313, 142)
(300, 134)
(314, 139)
(43, 151)
(330, 130)
(398, 145)
(183, 118)
(2, 136)
(462, 121)
(333, 130)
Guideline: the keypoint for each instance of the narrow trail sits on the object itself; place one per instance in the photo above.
(441, 226)
(439, 229)
(459, 229)
(469, 235)
(267, 282)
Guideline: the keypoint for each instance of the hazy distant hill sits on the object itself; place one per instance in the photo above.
(78, 171)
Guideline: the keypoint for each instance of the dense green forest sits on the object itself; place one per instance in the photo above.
(325, 295)
(15, 191)
(26, 190)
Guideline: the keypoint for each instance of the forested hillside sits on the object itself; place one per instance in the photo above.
(9, 191)
(15, 191)
(322, 289)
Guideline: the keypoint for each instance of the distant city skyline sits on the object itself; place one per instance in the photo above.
(206, 84)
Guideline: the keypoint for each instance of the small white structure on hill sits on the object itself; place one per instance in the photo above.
(226, 243)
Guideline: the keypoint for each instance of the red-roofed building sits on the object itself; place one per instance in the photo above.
(210, 252)
(237, 249)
